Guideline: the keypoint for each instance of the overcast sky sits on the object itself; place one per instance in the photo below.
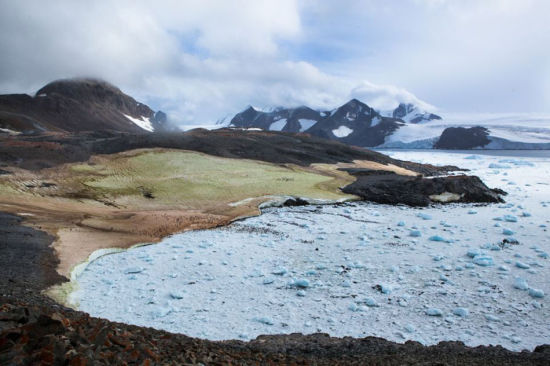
(202, 60)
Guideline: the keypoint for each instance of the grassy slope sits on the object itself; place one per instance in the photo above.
(107, 202)
(190, 179)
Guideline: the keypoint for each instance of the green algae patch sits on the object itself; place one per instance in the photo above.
(183, 177)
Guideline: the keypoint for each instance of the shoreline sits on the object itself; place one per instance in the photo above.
(62, 293)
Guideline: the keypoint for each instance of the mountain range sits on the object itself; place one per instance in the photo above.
(354, 122)
(406, 126)
(77, 105)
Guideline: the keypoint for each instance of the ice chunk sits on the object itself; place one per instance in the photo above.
(522, 265)
(353, 307)
(160, 311)
(268, 281)
(483, 260)
(473, 252)
(301, 283)
(462, 312)
(131, 270)
(499, 166)
(437, 238)
(409, 328)
(369, 301)
(434, 312)
(507, 232)
(264, 320)
(520, 284)
(510, 218)
(279, 271)
(472, 212)
(301, 293)
(424, 216)
(491, 318)
(415, 233)
(176, 295)
(536, 293)
(401, 223)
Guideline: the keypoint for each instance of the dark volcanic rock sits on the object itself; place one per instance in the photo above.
(27, 261)
(47, 336)
(416, 191)
(74, 105)
(454, 138)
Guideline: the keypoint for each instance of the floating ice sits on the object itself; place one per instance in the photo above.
(264, 320)
(415, 233)
(438, 238)
(280, 271)
(510, 218)
(522, 265)
(462, 312)
(492, 318)
(507, 232)
(520, 284)
(536, 293)
(424, 216)
(483, 260)
(473, 252)
(434, 312)
(301, 283)
(369, 301)
(131, 270)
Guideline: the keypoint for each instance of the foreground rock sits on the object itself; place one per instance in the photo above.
(46, 336)
(386, 187)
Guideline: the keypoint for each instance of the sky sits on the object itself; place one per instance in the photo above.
(205, 60)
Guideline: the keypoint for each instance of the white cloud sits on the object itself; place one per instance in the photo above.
(201, 60)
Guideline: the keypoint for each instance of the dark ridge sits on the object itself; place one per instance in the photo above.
(48, 150)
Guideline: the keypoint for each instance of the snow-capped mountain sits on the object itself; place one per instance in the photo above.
(354, 122)
(412, 114)
(407, 126)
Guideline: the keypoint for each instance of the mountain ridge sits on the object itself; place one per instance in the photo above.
(76, 105)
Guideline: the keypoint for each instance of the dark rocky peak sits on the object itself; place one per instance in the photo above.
(463, 138)
(354, 111)
(245, 118)
(81, 89)
(403, 109)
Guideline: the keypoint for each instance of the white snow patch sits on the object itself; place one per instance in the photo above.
(342, 131)
(142, 122)
(306, 124)
(278, 125)
(375, 121)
